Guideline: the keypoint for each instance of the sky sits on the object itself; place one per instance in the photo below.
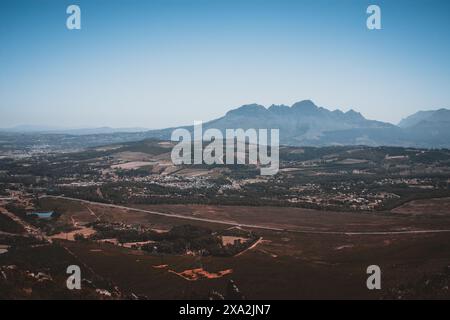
(163, 63)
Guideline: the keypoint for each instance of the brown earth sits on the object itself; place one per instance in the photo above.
(285, 264)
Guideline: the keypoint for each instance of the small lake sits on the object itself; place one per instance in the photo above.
(42, 215)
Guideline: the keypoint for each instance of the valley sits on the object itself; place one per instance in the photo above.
(142, 228)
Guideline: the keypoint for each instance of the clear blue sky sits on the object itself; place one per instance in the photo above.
(160, 63)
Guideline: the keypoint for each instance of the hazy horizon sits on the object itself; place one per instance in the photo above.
(167, 63)
(49, 127)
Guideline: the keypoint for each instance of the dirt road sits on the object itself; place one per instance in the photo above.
(253, 226)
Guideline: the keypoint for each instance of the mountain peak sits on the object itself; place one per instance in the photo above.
(354, 115)
(281, 108)
(304, 105)
(248, 110)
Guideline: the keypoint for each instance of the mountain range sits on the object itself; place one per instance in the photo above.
(302, 124)
(306, 124)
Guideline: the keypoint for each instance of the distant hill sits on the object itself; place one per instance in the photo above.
(428, 128)
(70, 131)
(414, 119)
(433, 116)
